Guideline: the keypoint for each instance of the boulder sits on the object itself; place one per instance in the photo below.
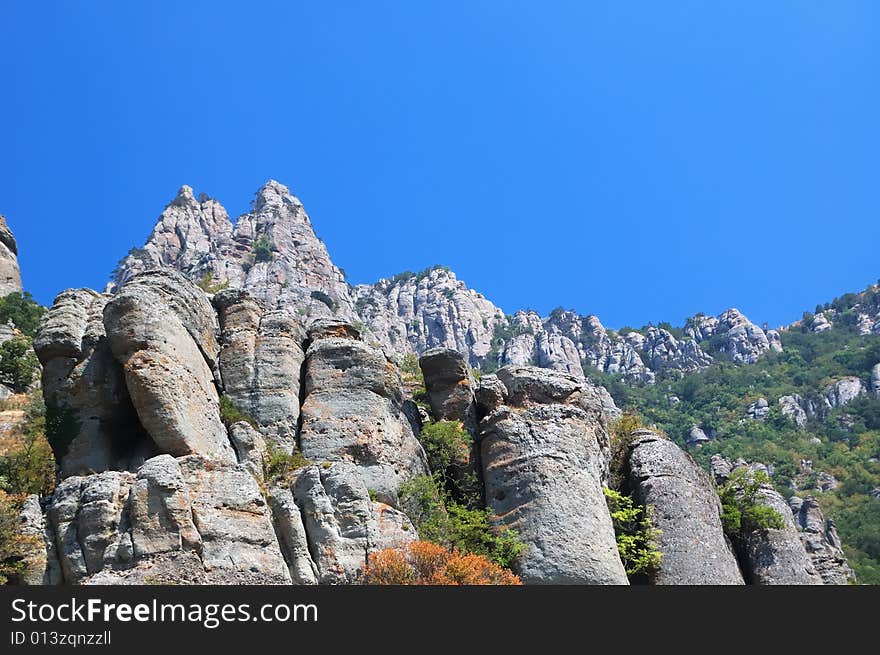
(544, 456)
(95, 426)
(450, 386)
(162, 329)
(686, 510)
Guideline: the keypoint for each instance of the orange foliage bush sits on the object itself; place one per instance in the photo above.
(424, 563)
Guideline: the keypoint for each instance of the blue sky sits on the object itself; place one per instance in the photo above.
(642, 161)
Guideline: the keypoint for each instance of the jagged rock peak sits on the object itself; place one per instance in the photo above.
(272, 252)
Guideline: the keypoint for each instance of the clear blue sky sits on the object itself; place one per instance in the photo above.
(639, 160)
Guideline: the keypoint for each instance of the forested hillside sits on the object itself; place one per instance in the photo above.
(823, 438)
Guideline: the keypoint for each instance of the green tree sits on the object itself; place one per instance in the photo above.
(23, 311)
(18, 364)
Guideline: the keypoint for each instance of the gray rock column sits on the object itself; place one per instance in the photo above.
(544, 454)
(687, 512)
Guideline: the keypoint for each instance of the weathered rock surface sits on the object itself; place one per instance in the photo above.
(40, 563)
(343, 526)
(821, 541)
(261, 362)
(84, 387)
(544, 456)
(10, 275)
(162, 329)
(450, 386)
(687, 512)
(875, 380)
(792, 406)
(843, 392)
(187, 520)
(272, 252)
(353, 411)
(771, 556)
(433, 309)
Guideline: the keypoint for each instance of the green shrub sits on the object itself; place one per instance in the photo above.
(28, 466)
(453, 525)
(208, 285)
(18, 364)
(411, 371)
(447, 444)
(636, 536)
(264, 249)
(24, 312)
(230, 414)
(278, 464)
(742, 511)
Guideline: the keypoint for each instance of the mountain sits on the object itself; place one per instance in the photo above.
(232, 411)
(273, 253)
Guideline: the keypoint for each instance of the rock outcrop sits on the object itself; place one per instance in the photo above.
(875, 380)
(163, 331)
(415, 312)
(343, 525)
(772, 556)
(686, 510)
(821, 541)
(261, 362)
(353, 410)
(450, 387)
(96, 427)
(10, 275)
(843, 392)
(272, 252)
(793, 407)
(544, 451)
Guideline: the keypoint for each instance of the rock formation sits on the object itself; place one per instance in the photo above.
(10, 276)
(544, 451)
(686, 510)
(772, 556)
(821, 541)
(353, 410)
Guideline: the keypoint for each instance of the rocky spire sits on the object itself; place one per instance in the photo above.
(10, 276)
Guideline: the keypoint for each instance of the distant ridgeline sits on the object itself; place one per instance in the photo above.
(232, 378)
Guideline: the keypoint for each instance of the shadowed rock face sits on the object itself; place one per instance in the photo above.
(686, 510)
(162, 329)
(10, 276)
(97, 428)
(353, 411)
(544, 454)
(450, 386)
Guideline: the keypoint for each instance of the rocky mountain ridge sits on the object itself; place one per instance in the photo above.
(157, 484)
(273, 253)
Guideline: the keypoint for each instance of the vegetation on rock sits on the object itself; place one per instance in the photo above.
(425, 563)
(637, 538)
